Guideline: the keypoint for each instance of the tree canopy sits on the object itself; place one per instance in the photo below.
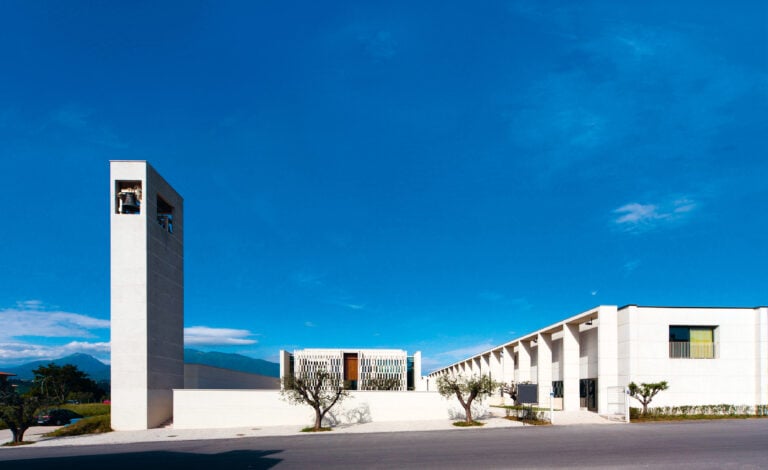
(58, 384)
(321, 390)
(645, 392)
(466, 389)
(17, 411)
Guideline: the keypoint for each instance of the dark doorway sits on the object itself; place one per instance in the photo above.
(588, 394)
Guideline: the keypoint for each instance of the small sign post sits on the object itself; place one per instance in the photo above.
(551, 406)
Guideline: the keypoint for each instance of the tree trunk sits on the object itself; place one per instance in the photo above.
(468, 412)
(318, 419)
(18, 435)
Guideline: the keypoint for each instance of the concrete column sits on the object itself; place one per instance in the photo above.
(524, 362)
(570, 367)
(508, 364)
(495, 365)
(761, 364)
(607, 354)
(544, 367)
(418, 380)
(285, 365)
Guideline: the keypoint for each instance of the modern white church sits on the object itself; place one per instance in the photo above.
(707, 355)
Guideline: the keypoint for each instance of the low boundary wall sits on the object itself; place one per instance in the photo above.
(241, 408)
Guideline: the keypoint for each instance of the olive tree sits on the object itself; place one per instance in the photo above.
(466, 389)
(645, 392)
(17, 411)
(321, 390)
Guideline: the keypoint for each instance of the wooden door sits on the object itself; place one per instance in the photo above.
(350, 366)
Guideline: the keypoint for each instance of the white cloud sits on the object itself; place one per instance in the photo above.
(308, 278)
(636, 217)
(31, 318)
(630, 267)
(637, 213)
(309, 324)
(203, 335)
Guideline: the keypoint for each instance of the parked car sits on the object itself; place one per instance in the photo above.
(57, 417)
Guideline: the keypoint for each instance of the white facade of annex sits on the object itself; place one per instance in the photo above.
(707, 355)
(360, 369)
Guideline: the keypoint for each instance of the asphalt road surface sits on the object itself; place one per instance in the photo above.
(736, 444)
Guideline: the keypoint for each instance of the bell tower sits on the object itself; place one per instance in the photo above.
(147, 295)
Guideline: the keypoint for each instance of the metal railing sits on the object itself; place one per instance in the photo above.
(688, 350)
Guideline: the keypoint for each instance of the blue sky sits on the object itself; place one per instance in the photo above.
(420, 175)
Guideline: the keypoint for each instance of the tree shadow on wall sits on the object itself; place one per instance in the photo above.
(251, 459)
(358, 415)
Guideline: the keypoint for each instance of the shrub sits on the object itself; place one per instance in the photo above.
(699, 411)
(91, 425)
(464, 424)
(527, 414)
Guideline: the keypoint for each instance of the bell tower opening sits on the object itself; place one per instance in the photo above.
(128, 197)
(164, 214)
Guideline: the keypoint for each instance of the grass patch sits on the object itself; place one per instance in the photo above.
(89, 409)
(464, 424)
(91, 425)
(531, 421)
(312, 429)
(16, 444)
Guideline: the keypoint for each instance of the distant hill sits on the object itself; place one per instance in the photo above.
(233, 362)
(97, 370)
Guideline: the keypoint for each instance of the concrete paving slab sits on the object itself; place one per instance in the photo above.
(35, 433)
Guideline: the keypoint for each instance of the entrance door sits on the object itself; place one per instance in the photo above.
(588, 394)
(350, 371)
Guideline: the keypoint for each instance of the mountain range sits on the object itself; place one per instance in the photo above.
(98, 371)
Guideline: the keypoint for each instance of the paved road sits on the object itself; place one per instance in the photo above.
(738, 444)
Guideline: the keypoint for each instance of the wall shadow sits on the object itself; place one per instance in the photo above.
(247, 459)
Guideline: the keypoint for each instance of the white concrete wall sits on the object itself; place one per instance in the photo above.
(129, 334)
(607, 355)
(761, 359)
(199, 376)
(730, 378)
(165, 299)
(588, 353)
(239, 408)
(557, 359)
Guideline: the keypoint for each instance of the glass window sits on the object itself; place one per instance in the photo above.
(692, 342)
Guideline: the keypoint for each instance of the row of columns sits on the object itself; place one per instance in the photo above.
(500, 362)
